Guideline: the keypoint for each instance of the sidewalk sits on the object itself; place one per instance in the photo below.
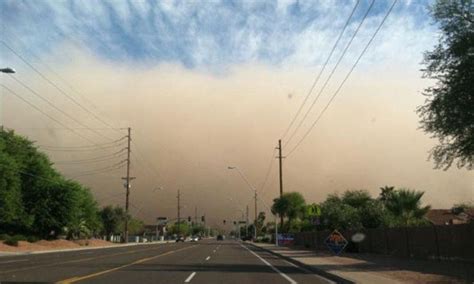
(4, 253)
(365, 268)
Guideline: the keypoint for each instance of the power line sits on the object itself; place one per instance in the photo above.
(46, 114)
(113, 143)
(267, 175)
(53, 84)
(64, 81)
(86, 162)
(114, 155)
(321, 71)
(345, 79)
(330, 74)
(55, 107)
(100, 170)
(99, 148)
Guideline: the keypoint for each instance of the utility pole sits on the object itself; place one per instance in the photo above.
(280, 157)
(179, 212)
(247, 222)
(127, 179)
(195, 215)
(255, 222)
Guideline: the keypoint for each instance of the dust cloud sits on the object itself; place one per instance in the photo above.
(189, 125)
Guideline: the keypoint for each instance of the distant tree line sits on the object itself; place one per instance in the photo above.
(354, 209)
(36, 200)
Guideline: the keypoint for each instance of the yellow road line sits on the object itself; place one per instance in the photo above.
(73, 261)
(80, 278)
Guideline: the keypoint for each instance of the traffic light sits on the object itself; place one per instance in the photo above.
(224, 222)
(189, 218)
(235, 223)
(203, 219)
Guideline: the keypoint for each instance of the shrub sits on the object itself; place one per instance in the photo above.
(13, 240)
(4, 236)
(32, 239)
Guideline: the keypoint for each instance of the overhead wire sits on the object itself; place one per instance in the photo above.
(322, 70)
(85, 147)
(100, 158)
(46, 114)
(349, 43)
(344, 80)
(63, 80)
(55, 107)
(71, 98)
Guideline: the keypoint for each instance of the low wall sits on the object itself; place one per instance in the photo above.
(455, 242)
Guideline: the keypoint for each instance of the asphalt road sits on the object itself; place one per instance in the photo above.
(206, 261)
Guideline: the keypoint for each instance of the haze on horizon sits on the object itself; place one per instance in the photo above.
(200, 98)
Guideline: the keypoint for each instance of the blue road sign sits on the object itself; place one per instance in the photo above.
(336, 242)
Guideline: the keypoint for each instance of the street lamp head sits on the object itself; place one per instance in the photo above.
(230, 168)
(7, 70)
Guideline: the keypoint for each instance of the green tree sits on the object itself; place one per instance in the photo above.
(184, 228)
(356, 198)
(405, 208)
(12, 213)
(385, 193)
(85, 221)
(356, 209)
(290, 205)
(135, 226)
(34, 198)
(335, 214)
(448, 112)
(112, 220)
(260, 222)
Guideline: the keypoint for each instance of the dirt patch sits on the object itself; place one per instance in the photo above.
(93, 243)
(44, 245)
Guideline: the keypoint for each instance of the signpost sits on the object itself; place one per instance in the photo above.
(336, 242)
(313, 210)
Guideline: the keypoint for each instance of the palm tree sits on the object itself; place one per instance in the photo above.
(385, 193)
(290, 205)
(405, 206)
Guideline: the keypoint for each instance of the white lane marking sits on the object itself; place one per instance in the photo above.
(309, 272)
(271, 266)
(13, 261)
(209, 257)
(190, 277)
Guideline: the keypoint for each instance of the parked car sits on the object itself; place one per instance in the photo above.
(180, 239)
(194, 238)
(220, 237)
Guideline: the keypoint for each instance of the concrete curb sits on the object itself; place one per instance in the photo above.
(311, 268)
(3, 254)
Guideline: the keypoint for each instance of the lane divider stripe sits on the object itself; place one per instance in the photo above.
(76, 279)
(190, 277)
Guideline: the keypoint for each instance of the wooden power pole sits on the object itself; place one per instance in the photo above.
(127, 179)
(280, 160)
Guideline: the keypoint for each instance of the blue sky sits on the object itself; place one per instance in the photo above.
(211, 33)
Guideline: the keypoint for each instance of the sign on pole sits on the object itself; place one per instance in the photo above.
(313, 210)
(162, 220)
(336, 242)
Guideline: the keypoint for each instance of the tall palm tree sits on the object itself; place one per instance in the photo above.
(385, 192)
(405, 206)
